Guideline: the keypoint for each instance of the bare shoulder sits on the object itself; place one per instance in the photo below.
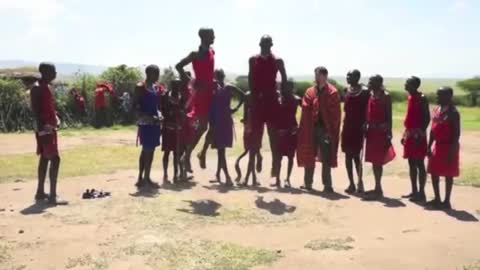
(35, 88)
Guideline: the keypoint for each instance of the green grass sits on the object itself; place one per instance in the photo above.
(469, 176)
(475, 266)
(201, 255)
(469, 116)
(428, 85)
(338, 244)
(77, 131)
(79, 161)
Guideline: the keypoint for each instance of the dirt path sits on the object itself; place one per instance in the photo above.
(25, 142)
(169, 230)
(393, 234)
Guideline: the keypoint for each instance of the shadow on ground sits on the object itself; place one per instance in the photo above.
(202, 208)
(37, 208)
(275, 207)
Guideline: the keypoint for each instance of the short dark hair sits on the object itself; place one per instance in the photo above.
(446, 89)
(219, 70)
(152, 68)
(322, 70)
(203, 31)
(45, 66)
(377, 77)
(416, 81)
(356, 73)
(265, 38)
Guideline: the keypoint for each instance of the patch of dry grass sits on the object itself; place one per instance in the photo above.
(200, 255)
(337, 244)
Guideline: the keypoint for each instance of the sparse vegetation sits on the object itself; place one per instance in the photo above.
(337, 244)
(201, 255)
(469, 176)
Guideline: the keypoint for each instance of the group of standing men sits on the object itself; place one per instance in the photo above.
(191, 106)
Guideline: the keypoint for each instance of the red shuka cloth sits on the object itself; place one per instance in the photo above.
(202, 93)
(328, 103)
(414, 139)
(355, 109)
(442, 131)
(286, 126)
(378, 150)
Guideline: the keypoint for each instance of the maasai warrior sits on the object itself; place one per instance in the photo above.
(262, 74)
(379, 149)
(203, 62)
(79, 101)
(251, 147)
(318, 135)
(173, 113)
(101, 103)
(221, 121)
(445, 138)
(46, 123)
(146, 104)
(286, 128)
(414, 139)
(355, 109)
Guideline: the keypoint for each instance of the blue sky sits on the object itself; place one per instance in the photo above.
(430, 38)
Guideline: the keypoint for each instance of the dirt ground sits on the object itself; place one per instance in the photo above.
(179, 227)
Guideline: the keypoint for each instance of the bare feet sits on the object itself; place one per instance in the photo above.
(351, 189)
(436, 204)
(53, 200)
(410, 195)
(305, 187)
(360, 188)
(374, 195)
(327, 189)
(419, 197)
(41, 196)
(276, 184)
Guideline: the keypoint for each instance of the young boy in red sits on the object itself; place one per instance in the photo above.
(251, 143)
(414, 139)
(46, 122)
(286, 128)
(379, 149)
(445, 138)
(172, 111)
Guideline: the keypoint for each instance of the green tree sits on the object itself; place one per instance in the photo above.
(122, 78)
(242, 83)
(472, 86)
(15, 113)
(85, 83)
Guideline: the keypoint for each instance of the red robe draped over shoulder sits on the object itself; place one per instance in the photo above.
(328, 105)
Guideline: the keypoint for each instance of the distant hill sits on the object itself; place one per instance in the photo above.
(62, 68)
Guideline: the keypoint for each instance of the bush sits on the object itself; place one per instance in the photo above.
(15, 113)
(85, 83)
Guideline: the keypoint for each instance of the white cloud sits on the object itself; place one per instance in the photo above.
(40, 16)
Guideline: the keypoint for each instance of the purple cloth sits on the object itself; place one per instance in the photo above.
(221, 118)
